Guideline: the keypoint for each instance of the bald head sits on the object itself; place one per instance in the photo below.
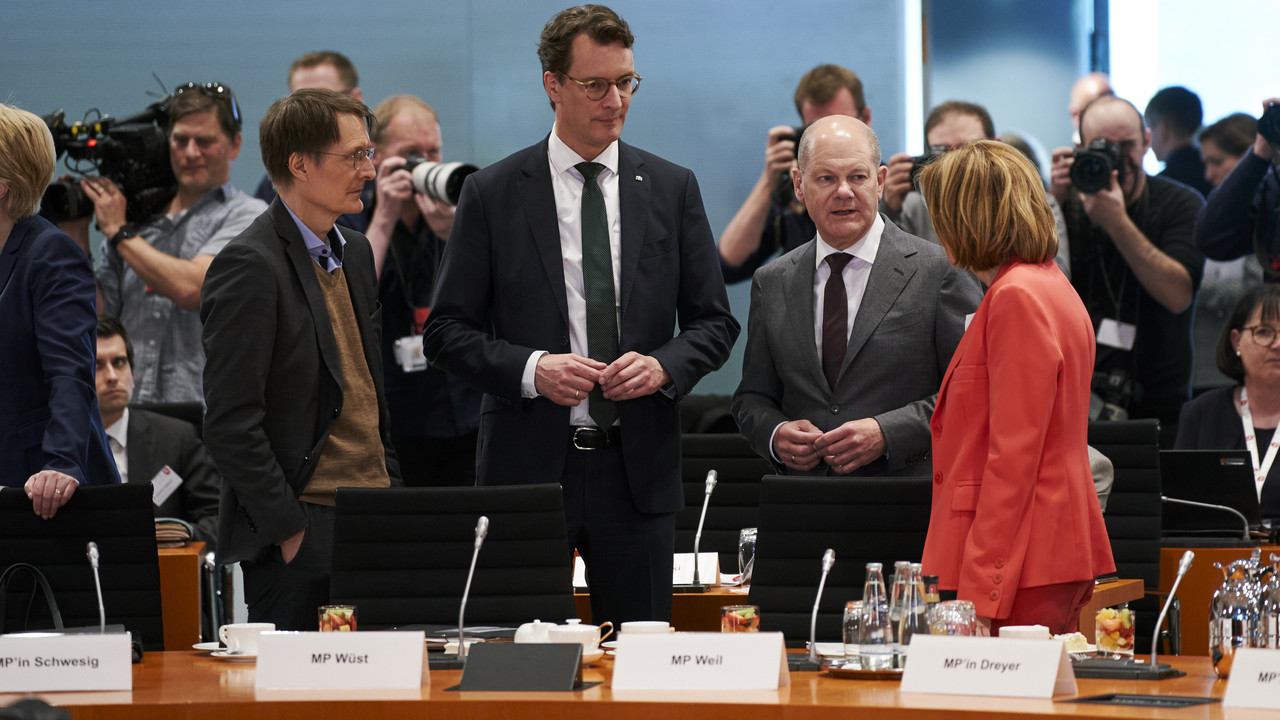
(836, 127)
(1086, 90)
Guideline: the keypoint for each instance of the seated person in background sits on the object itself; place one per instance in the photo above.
(1244, 417)
(1240, 217)
(1222, 144)
(948, 126)
(153, 448)
(771, 218)
(1174, 115)
(51, 439)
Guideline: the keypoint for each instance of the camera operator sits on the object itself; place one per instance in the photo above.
(1133, 262)
(151, 269)
(772, 219)
(1241, 215)
(434, 416)
(948, 126)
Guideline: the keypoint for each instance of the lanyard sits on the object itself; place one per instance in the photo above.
(1251, 442)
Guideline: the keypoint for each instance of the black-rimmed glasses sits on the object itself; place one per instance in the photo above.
(214, 90)
(597, 88)
(1263, 335)
(357, 158)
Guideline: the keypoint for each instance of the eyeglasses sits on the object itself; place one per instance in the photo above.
(357, 158)
(597, 88)
(1263, 335)
(217, 91)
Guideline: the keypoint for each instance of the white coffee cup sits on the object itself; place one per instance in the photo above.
(242, 638)
(645, 627)
(573, 631)
(1025, 632)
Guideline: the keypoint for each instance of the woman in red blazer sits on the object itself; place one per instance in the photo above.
(1016, 527)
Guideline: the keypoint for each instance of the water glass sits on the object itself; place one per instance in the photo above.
(954, 617)
(746, 554)
(852, 626)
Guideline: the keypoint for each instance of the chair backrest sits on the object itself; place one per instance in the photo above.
(192, 412)
(119, 519)
(402, 554)
(863, 519)
(735, 503)
(1134, 510)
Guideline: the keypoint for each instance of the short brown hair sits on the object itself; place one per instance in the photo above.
(27, 162)
(821, 84)
(346, 71)
(555, 45)
(387, 109)
(195, 98)
(305, 122)
(1234, 133)
(1265, 296)
(988, 206)
(959, 107)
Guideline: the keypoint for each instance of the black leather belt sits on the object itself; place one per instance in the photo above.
(589, 438)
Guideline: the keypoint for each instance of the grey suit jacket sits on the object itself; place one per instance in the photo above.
(155, 441)
(907, 326)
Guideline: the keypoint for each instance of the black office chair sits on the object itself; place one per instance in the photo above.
(192, 412)
(1134, 514)
(119, 519)
(735, 504)
(863, 519)
(402, 554)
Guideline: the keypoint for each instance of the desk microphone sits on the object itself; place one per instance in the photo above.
(697, 586)
(813, 662)
(1183, 566)
(92, 553)
(482, 529)
(1225, 508)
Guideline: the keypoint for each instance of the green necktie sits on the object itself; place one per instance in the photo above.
(597, 287)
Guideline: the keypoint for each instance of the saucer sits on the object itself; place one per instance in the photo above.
(208, 647)
(234, 657)
(590, 657)
(609, 645)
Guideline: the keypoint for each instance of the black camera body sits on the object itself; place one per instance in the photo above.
(439, 181)
(1269, 124)
(919, 162)
(1092, 165)
(132, 152)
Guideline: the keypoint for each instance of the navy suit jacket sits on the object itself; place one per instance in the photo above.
(501, 296)
(48, 349)
(273, 377)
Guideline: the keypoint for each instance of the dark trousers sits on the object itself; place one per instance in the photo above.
(289, 595)
(628, 554)
(437, 462)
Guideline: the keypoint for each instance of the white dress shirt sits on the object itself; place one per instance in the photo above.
(118, 439)
(567, 183)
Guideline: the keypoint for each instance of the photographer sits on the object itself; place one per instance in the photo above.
(771, 219)
(1241, 215)
(948, 126)
(434, 417)
(1132, 260)
(151, 269)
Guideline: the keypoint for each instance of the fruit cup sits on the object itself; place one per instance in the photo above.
(337, 618)
(1114, 632)
(740, 618)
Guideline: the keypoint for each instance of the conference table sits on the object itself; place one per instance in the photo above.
(195, 686)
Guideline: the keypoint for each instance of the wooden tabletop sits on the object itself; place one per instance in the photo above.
(196, 686)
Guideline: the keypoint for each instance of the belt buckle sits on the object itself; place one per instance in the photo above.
(580, 431)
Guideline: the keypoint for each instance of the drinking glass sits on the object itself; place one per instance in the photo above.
(746, 554)
(740, 618)
(954, 617)
(1113, 632)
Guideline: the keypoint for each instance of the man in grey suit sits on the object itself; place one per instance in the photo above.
(849, 391)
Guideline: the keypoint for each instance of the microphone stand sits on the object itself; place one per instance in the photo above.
(1183, 566)
(814, 662)
(482, 529)
(697, 586)
(1243, 520)
(92, 553)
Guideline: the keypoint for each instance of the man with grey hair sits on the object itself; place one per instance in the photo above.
(849, 334)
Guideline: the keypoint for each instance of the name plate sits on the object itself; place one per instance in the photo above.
(708, 568)
(700, 661)
(358, 660)
(945, 665)
(1255, 679)
(47, 662)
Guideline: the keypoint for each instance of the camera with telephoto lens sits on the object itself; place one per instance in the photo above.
(1269, 124)
(784, 194)
(1092, 165)
(132, 152)
(919, 162)
(439, 181)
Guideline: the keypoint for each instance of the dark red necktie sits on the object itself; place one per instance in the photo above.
(835, 318)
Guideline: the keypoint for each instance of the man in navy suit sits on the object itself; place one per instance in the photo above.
(558, 298)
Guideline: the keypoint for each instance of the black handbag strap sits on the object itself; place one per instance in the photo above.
(11, 572)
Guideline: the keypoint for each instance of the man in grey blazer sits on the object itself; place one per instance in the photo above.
(861, 402)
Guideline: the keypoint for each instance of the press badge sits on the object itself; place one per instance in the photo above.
(409, 353)
(1116, 334)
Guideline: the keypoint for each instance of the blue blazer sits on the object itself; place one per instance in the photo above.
(501, 296)
(48, 348)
